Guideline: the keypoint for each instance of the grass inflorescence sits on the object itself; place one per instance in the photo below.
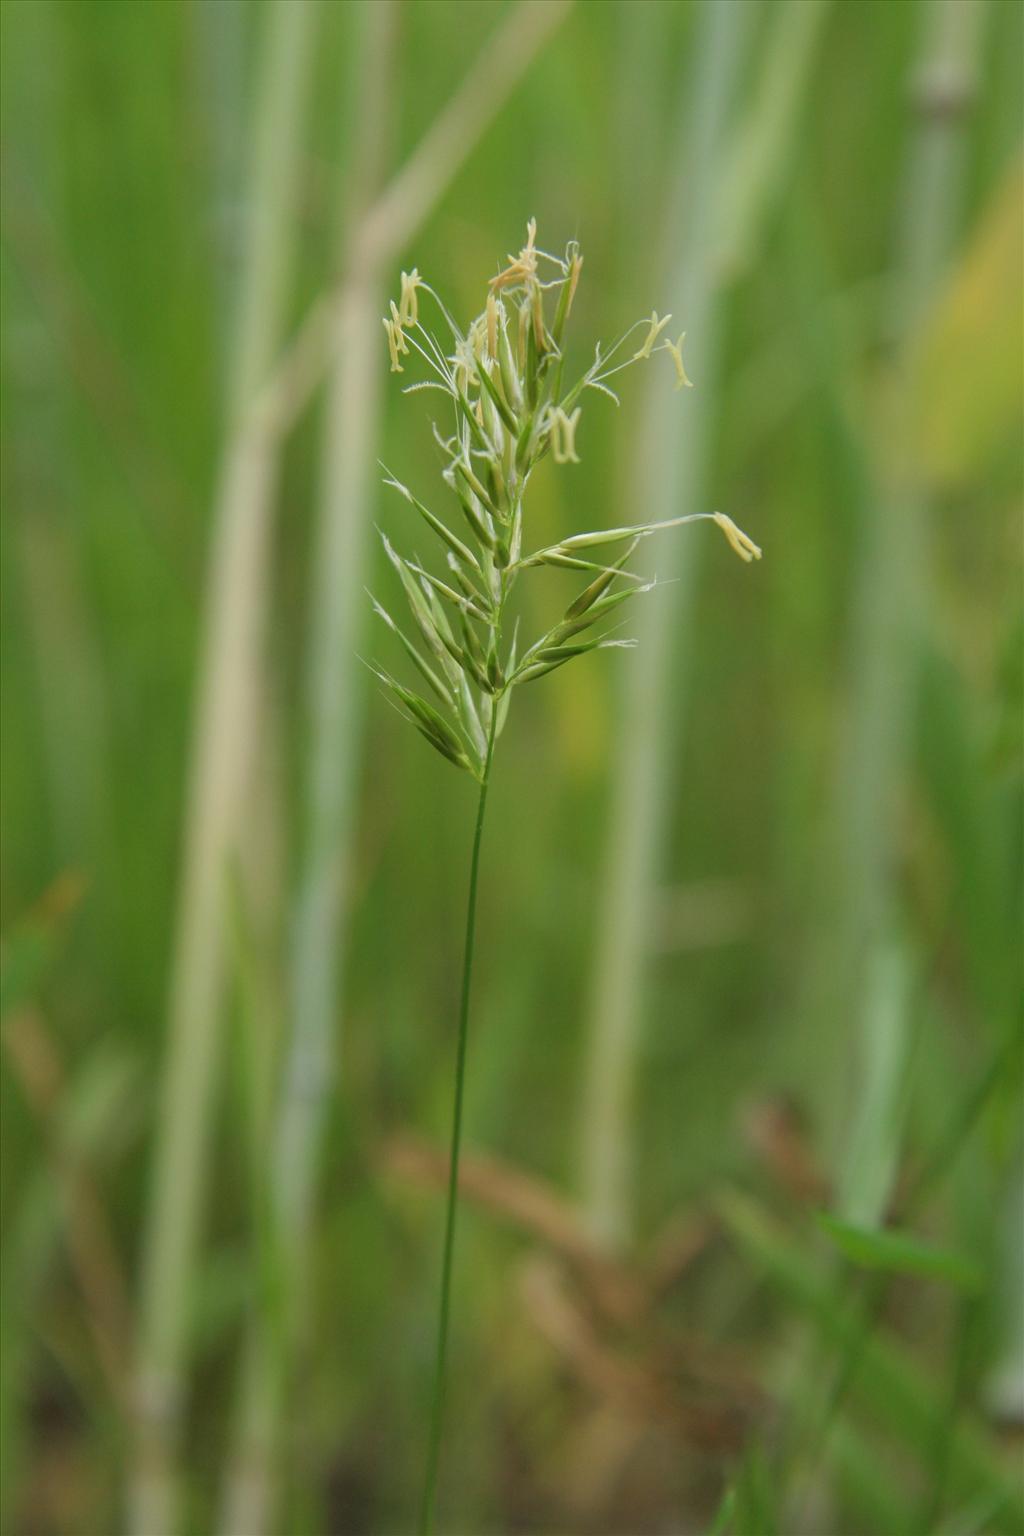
(509, 408)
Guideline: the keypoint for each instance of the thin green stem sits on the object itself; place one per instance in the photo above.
(437, 1408)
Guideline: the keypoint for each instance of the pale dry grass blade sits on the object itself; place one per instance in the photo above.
(223, 750)
(735, 177)
(352, 407)
(870, 991)
(409, 198)
(668, 468)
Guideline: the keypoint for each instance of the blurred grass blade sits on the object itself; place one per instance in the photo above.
(871, 1160)
(756, 1497)
(891, 612)
(967, 382)
(900, 1253)
(726, 1514)
(891, 616)
(666, 480)
(224, 751)
(338, 558)
(670, 458)
(760, 151)
(872, 1491)
(902, 1399)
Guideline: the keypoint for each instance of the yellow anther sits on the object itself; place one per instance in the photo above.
(396, 325)
(464, 361)
(744, 547)
(657, 326)
(563, 436)
(408, 306)
(476, 338)
(521, 268)
(393, 335)
(675, 351)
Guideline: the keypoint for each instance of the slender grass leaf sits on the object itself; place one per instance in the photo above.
(755, 1504)
(723, 1518)
(906, 1401)
(900, 1252)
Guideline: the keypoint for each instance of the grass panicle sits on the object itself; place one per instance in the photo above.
(503, 375)
(504, 379)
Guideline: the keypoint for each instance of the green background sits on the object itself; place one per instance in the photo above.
(826, 1008)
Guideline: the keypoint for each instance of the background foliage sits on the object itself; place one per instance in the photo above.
(821, 1012)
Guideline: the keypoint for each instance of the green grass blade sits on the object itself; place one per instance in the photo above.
(900, 1253)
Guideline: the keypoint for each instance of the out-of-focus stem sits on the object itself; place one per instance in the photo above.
(891, 586)
(350, 428)
(409, 196)
(711, 233)
(890, 613)
(669, 471)
(223, 752)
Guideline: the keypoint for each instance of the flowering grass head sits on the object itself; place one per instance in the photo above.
(508, 407)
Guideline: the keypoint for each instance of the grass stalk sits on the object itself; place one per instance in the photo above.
(223, 752)
(427, 1510)
(342, 329)
(511, 356)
